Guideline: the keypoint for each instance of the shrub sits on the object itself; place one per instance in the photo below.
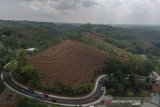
(29, 75)
(12, 67)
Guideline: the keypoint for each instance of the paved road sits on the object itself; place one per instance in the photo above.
(93, 98)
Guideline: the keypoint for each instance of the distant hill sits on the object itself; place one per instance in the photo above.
(25, 34)
(135, 39)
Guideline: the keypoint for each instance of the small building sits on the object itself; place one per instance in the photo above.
(31, 49)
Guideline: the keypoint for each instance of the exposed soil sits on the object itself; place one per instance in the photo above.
(70, 62)
(8, 98)
(156, 88)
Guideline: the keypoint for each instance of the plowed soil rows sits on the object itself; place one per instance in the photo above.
(70, 62)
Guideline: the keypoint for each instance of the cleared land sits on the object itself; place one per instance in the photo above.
(70, 62)
(8, 98)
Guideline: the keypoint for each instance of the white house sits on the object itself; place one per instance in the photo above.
(31, 49)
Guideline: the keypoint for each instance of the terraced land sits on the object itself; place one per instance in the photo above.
(70, 62)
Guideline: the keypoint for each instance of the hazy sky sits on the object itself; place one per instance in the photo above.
(77, 11)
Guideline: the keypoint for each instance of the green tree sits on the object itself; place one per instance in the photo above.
(119, 89)
(149, 66)
(111, 82)
(21, 57)
(12, 67)
(111, 91)
(30, 75)
(85, 88)
(129, 93)
(112, 65)
(144, 93)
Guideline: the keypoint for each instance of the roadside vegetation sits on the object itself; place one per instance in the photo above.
(26, 102)
(5, 57)
(127, 78)
(21, 72)
(66, 90)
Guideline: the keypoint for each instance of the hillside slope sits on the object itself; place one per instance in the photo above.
(70, 62)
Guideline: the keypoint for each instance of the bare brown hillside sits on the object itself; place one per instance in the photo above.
(70, 61)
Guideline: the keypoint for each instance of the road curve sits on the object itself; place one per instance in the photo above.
(94, 97)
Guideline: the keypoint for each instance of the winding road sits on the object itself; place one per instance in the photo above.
(94, 97)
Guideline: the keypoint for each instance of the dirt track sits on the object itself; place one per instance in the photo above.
(70, 62)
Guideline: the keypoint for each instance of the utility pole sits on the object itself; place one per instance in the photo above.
(159, 98)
